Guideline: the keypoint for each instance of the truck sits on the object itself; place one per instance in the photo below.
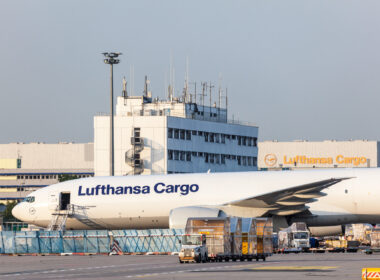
(295, 238)
(193, 248)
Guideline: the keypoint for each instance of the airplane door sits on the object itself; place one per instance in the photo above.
(53, 201)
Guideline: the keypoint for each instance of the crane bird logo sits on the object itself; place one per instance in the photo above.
(270, 160)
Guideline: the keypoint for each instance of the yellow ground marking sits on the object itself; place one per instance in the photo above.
(294, 268)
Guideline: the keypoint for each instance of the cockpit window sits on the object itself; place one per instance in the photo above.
(29, 199)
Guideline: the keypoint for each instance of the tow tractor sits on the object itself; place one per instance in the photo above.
(193, 248)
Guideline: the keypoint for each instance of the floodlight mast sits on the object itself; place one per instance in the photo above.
(111, 59)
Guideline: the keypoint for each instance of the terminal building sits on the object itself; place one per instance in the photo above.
(274, 155)
(177, 135)
(27, 167)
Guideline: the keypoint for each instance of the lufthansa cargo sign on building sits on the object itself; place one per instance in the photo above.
(325, 154)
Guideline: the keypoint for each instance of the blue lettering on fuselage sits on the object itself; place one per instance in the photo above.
(159, 188)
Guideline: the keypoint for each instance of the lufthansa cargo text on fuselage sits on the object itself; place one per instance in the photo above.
(160, 188)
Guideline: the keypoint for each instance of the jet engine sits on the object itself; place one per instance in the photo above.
(326, 231)
(178, 216)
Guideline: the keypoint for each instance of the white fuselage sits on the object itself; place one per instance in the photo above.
(146, 201)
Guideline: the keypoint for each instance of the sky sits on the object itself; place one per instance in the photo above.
(298, 69)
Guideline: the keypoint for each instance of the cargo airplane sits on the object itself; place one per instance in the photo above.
(323, 199)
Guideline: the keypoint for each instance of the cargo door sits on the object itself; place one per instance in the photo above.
(64, 200)
(53, 201)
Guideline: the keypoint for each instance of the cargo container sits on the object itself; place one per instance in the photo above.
(236, 238)
(249, 239)
(375, 241)
(218, 236)
(225, 238)
(264, 232)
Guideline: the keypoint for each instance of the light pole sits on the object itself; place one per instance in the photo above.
(111, 59)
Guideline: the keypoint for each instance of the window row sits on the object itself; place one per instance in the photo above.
(211, 137)
(49, 177)
(211, 158)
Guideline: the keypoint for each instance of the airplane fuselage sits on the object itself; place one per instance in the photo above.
(146, 201)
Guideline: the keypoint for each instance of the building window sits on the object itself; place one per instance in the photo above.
(182, 155)
(206, 157)
(245, 161)
(233, 137)
(170, 132)
(216, 138)
(211, 158)
(182, 134)
(223, 159)
(233, 157)
(249, 161)
(200, 154)
(176, 133)
(250, 141)
(217, 159)
(223, 139)
(244, 141)
(176, 155)
(188, 135)
(212, 135)
(200, 133)
(188, 156)
(254, 141)
(170, 154)
(206, 136)
(194, 154)
(194, 132)
(239, 140)
(239, 160)
(254, 161)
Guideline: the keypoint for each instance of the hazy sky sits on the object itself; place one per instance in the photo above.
(299, 69)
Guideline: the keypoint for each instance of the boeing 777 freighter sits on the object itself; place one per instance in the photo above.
(320, 198)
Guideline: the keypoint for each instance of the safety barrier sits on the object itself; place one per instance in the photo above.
(89, 241)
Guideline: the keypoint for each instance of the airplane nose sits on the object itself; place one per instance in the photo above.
(16, 212)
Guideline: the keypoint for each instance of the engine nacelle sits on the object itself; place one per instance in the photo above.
(178, 216)
(326, 231)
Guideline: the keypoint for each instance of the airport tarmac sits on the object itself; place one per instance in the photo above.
(297, 266)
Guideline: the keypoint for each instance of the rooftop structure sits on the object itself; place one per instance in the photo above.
(177, 135)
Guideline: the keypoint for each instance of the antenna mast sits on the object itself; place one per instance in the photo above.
(210, 86)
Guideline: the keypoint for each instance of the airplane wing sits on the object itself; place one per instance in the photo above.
(291, 200)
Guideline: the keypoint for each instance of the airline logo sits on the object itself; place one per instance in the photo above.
(160, 188)
(270, 159)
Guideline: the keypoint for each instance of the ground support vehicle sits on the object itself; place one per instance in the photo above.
(294, 239)
(193, 248)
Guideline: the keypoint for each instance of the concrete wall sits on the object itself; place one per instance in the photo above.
(50, 156)
(154, 131)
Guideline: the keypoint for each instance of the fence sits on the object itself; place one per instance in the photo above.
(89, 241)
